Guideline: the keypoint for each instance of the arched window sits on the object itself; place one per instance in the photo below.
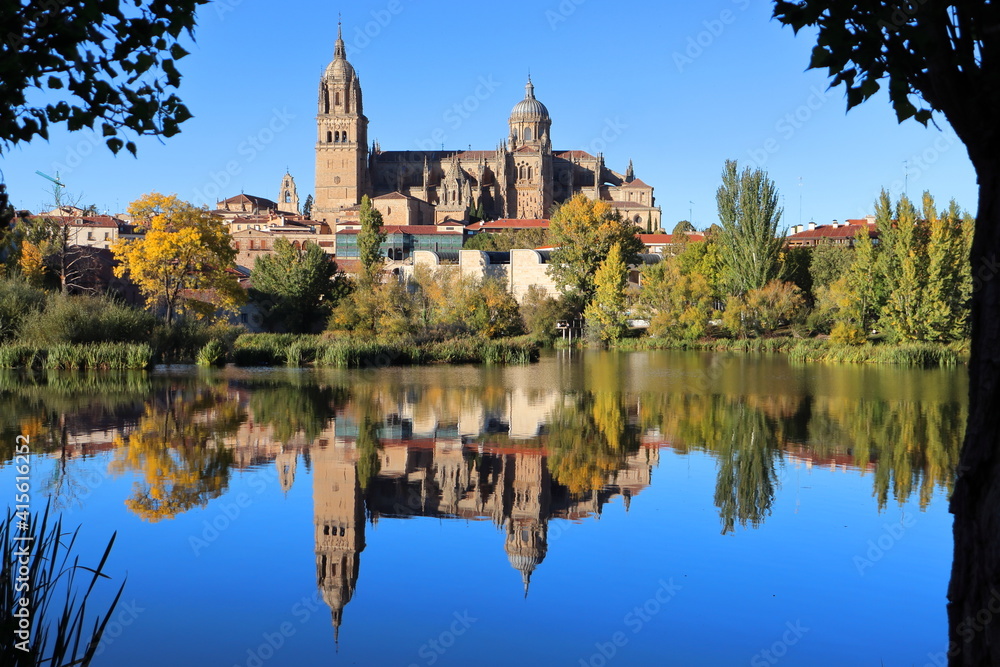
(529, 173)
(343, 136)
(513, 133)
(337, 99)
(288, 197)
(527, 134)
(329, 137)
(326, 101)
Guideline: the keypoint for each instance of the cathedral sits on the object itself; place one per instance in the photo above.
(522, 178)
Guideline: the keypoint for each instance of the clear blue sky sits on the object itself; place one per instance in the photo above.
(676, 87)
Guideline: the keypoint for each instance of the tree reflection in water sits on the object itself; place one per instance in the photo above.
(177, 450)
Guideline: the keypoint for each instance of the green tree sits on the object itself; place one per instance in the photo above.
(541, 312)
(829, 262)
(936, 54)
(681, 229)
(102, 64)
(307, 207)
(903, 245)
(865, 283)
(583, 231)
(680, 303)
(296, 287)
(370, 240)
(606, 311)
(749, 213)
(508, 240)
(944, 308)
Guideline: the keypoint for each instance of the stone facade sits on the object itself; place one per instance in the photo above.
(521, 178)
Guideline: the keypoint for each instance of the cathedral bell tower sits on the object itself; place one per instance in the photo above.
(530, 193)
(342, 138)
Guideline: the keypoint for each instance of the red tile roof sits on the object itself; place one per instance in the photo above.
(841, 232)
(637, 183)
(393, 195)
(260, 202)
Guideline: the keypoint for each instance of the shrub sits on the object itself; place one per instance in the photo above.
(18, 301)
(847, 334)
(86, 319)
(540, 313)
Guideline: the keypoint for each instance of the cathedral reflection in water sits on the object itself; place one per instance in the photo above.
(428, 468)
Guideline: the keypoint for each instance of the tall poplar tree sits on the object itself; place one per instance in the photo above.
(749, 214)
(370, 240)
(943, 307)
(606, 312)
(904, 246)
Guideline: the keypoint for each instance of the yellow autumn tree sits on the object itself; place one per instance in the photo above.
(31, 263)
(183, 263)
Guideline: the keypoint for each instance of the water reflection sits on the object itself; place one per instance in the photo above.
(516, 447)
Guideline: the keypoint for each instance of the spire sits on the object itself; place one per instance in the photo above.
(629, 173)
(338, 48)
(526, 580)
(529, 89)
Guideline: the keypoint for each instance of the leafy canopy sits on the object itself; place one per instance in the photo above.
(749, 213)
(933, 55)
(606, 312)
(584, 231)
(370, 240)
(103, 64)
(296, 286)
(184, 260)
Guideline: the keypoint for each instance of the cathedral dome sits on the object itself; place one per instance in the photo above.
(339, 69)
(529, 106)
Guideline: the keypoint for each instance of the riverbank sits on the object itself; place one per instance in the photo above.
(277, 350)
(324, 352)
(920, 354)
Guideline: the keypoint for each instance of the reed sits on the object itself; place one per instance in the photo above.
(61, 633)
(212, 354)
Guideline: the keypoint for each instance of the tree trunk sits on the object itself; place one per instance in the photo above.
(974, 592)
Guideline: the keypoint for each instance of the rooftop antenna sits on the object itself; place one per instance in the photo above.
(800, 200)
